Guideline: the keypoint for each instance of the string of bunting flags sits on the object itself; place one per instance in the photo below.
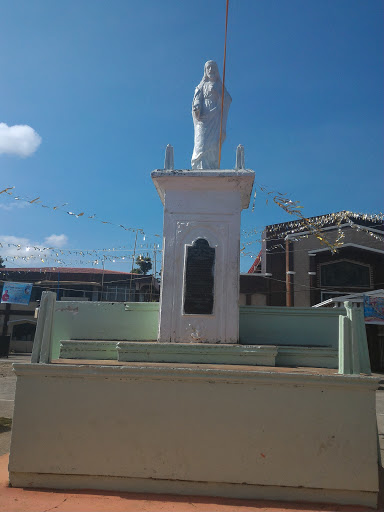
(60, 256)
(37, 201)
(45, 253)
(324, 220)
(47, 258)
(293, 227)
(314, 225)
(76, 251)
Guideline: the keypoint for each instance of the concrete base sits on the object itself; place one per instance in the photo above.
(252, 355)
(88, 349)
(156, 486)
(201, 206)
(226, 431)
(150, 351)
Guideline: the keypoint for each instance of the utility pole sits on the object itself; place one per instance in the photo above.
(288, 274)
(7, 312)
(58, 285)
(6, 318)
(133, 262)
(155, 254)
(154, 271)
(102, 278)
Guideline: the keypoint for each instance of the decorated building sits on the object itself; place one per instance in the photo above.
(304, 263)
(314, 263)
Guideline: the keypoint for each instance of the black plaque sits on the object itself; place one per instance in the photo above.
(199, 281)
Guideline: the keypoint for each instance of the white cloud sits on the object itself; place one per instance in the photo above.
(19, 139)
(56, 240)
(24, 252)
(14, 206)
(13, 241)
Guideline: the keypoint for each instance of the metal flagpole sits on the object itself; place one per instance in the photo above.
(222, 89)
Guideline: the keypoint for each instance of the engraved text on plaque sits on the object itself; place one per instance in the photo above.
(199, 280)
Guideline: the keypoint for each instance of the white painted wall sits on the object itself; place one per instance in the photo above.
(201, 204)
(172, 428)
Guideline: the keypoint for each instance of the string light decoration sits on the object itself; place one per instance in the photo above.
(314, 225)
(293, 229)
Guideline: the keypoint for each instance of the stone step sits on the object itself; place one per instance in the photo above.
(151, 351)
(252, 355)
(308, 356)
(88, 349)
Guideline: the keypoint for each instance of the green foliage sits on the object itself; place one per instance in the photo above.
(2, 263)
(144, 264)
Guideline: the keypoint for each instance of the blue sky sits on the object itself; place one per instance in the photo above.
(107, 85)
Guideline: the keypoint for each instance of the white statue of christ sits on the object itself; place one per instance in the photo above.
(206, 114)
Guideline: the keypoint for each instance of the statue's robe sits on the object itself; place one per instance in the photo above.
(207, 100)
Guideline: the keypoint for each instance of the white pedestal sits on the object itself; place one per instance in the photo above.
(201, 205)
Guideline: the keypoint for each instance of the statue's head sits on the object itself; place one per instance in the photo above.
(211, 71)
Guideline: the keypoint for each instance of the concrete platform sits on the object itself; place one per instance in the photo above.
(40, 500)
(215, 430)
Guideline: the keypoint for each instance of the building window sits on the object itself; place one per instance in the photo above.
(24, 332)
(345, 274)
(69, 292)
(115, 293)
(36, 293)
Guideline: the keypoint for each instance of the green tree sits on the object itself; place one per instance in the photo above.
(2, 263)
(144, 264)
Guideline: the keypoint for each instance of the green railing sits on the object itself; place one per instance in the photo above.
(297, 331)
(353, 347)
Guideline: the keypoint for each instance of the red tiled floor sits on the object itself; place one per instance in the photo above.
(33, 500)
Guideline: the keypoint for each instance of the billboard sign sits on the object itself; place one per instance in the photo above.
(16, 293)
(374, 310)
